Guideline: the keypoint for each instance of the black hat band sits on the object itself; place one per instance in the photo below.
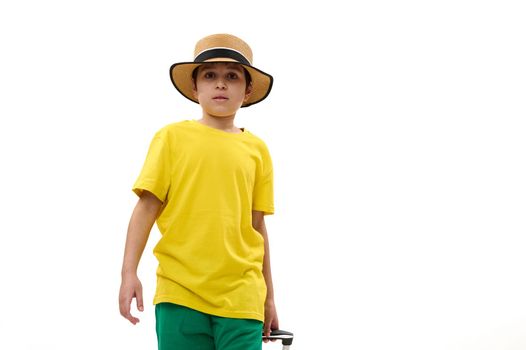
(221, 53)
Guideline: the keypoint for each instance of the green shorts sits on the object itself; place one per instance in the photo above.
(181, 328)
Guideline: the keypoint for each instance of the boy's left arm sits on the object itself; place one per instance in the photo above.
(271, 316)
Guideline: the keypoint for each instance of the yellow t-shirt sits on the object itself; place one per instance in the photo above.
(210, 257)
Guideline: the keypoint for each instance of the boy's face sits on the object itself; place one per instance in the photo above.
(221, 88)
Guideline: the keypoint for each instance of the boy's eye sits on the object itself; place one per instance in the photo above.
(232, 76)
(209, 75)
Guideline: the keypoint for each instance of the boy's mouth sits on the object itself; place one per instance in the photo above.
(220, 98)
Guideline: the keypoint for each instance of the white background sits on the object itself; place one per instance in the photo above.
(397, 130)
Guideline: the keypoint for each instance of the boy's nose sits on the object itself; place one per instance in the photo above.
(221, 84)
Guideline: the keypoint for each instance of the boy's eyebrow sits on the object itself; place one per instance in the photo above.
(235, 66)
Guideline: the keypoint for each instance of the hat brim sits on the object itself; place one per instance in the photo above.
(181, 76)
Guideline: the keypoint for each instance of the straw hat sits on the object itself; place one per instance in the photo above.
(221, 48)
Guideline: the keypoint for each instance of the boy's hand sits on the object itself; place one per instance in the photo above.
(271, 319)
(131, 288)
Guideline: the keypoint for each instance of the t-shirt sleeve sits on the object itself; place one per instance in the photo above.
(155, 174)
(263, 198)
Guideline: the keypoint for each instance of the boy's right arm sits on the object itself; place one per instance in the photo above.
(141, 222)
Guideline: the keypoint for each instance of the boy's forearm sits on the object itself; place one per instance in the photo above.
(259, 225)
(267, 272)
(141, 222)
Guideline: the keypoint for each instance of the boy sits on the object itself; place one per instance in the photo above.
(208, 184)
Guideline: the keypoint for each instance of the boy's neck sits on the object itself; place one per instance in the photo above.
(221, 123)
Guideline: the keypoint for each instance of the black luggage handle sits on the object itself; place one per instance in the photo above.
(285, 337)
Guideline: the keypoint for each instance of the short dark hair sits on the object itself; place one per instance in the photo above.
(248, 78)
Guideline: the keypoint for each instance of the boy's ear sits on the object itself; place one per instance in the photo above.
(194, 89)
(248, 92)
